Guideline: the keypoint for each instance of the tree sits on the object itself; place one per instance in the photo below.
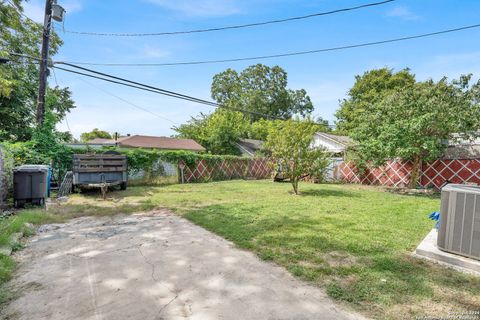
(218, 132)
(261, 90)
(19, 77)
(413, 122)
(95, 133)
(290, 145)
(260, 129)
(369, 88)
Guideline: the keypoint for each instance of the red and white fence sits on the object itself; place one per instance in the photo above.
(397, 173)
(221, 169)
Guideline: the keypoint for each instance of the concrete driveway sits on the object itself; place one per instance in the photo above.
(154, 266)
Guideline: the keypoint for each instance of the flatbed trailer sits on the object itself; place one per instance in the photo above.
(100, 171)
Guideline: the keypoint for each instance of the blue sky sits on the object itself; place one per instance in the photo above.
(325, 76)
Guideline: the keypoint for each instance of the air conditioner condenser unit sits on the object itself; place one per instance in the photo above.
(459, 230)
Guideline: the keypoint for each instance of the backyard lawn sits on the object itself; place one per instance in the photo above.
(354, 241)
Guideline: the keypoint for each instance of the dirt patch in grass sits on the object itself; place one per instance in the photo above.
(337, 259)
(444, 304)
(354, 241)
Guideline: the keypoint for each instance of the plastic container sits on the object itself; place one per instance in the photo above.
(30, 184)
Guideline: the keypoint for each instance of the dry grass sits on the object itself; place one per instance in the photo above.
(354, 241)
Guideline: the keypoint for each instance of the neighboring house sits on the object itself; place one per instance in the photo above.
(332, 143)
(462, 149)
(101, 141)
(336, 145)
(151, 142)
(250, 147)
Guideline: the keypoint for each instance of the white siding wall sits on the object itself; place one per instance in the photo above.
(327, 143)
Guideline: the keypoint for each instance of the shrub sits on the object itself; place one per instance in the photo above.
(60, 157)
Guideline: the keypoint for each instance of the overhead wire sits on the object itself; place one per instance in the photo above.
(21, 55)
(141, 86)
(17, 9)
(56, 83)
(167, 92)
(247, 25)
(128, 85)
(126, 101)
(280, 55)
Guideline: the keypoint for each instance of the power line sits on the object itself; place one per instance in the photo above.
(55, 77)
(20, 55)
(248, 25)
(66, 120)
(132, 86)
(280, 55)
(167, 92)
(126, 101)
(19, 11)
(141, 86)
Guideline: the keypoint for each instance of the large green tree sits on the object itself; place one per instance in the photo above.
(260, 129)
(95, 133)
(19, 77)
(369, 88)
(413, 121)
(290, 145)
(262, 90)
(218, 132)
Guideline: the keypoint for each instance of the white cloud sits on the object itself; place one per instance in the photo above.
(325, 96)
(456, 58)
(451, 65)
(35, 9)
(71, 6)
(403, 13)
(201, 8)
(153, 52)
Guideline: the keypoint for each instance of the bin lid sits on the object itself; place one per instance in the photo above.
(32, 168)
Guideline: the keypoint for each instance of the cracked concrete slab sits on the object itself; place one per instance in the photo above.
(154, 266)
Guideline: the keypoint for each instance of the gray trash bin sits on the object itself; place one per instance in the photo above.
(30, 184)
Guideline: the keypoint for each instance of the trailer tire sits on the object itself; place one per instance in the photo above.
(123, 186)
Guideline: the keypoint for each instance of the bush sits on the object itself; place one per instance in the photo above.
(6, 160)
(60, 157)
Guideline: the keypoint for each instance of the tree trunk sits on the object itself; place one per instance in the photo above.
(295, 185)
(417, 164)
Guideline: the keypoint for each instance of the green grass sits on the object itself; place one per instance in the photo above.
(354, 241)
(10, 226)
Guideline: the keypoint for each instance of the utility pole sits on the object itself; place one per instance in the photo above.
(42, 87)
(52, 10)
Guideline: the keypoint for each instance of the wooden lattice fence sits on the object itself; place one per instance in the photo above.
(226, 169)
(397, 173)
(438, 172)
(393, 174)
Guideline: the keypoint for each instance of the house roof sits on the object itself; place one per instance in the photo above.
(459, 147)
(343, 140)
(139, 141)
(249, 147)
(462, 151)
(101, 141)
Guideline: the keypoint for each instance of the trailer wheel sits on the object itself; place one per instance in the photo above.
(123, 186)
